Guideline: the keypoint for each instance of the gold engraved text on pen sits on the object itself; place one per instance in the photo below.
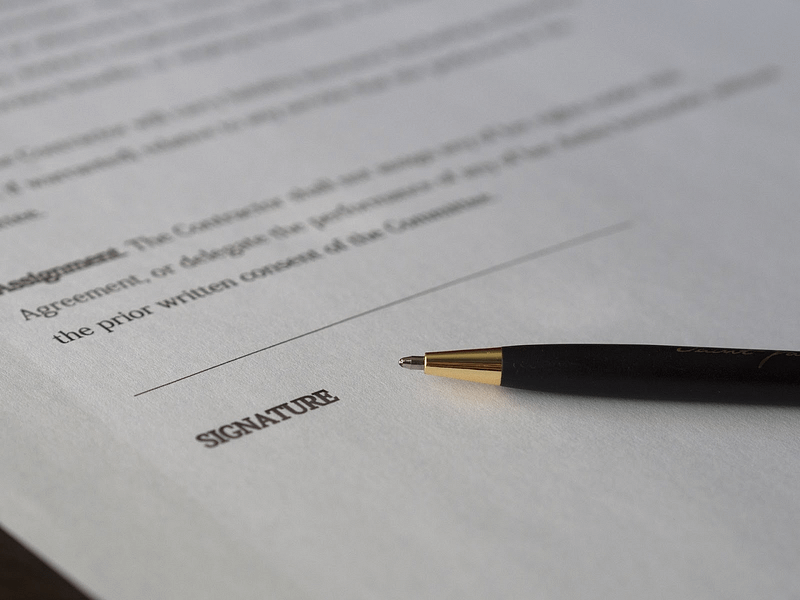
(740, 352)
(778, 353)
(720, 351)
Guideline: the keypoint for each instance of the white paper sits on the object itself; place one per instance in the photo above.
(254, 202)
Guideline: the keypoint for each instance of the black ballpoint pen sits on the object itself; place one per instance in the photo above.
(627, 371)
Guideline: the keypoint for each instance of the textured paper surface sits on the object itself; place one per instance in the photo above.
(245, 204)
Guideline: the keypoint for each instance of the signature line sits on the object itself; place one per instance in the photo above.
(555, 248)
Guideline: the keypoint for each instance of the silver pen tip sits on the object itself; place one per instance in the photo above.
(417, 363)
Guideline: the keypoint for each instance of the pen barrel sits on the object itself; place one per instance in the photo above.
(657, 372)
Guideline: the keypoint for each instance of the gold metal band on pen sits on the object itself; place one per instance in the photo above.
(482, 366)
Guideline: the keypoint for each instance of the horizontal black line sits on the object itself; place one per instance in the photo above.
(571, 243)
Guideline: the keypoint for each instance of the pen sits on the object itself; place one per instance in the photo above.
(627, 371)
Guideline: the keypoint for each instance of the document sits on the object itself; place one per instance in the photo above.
(223, 222)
